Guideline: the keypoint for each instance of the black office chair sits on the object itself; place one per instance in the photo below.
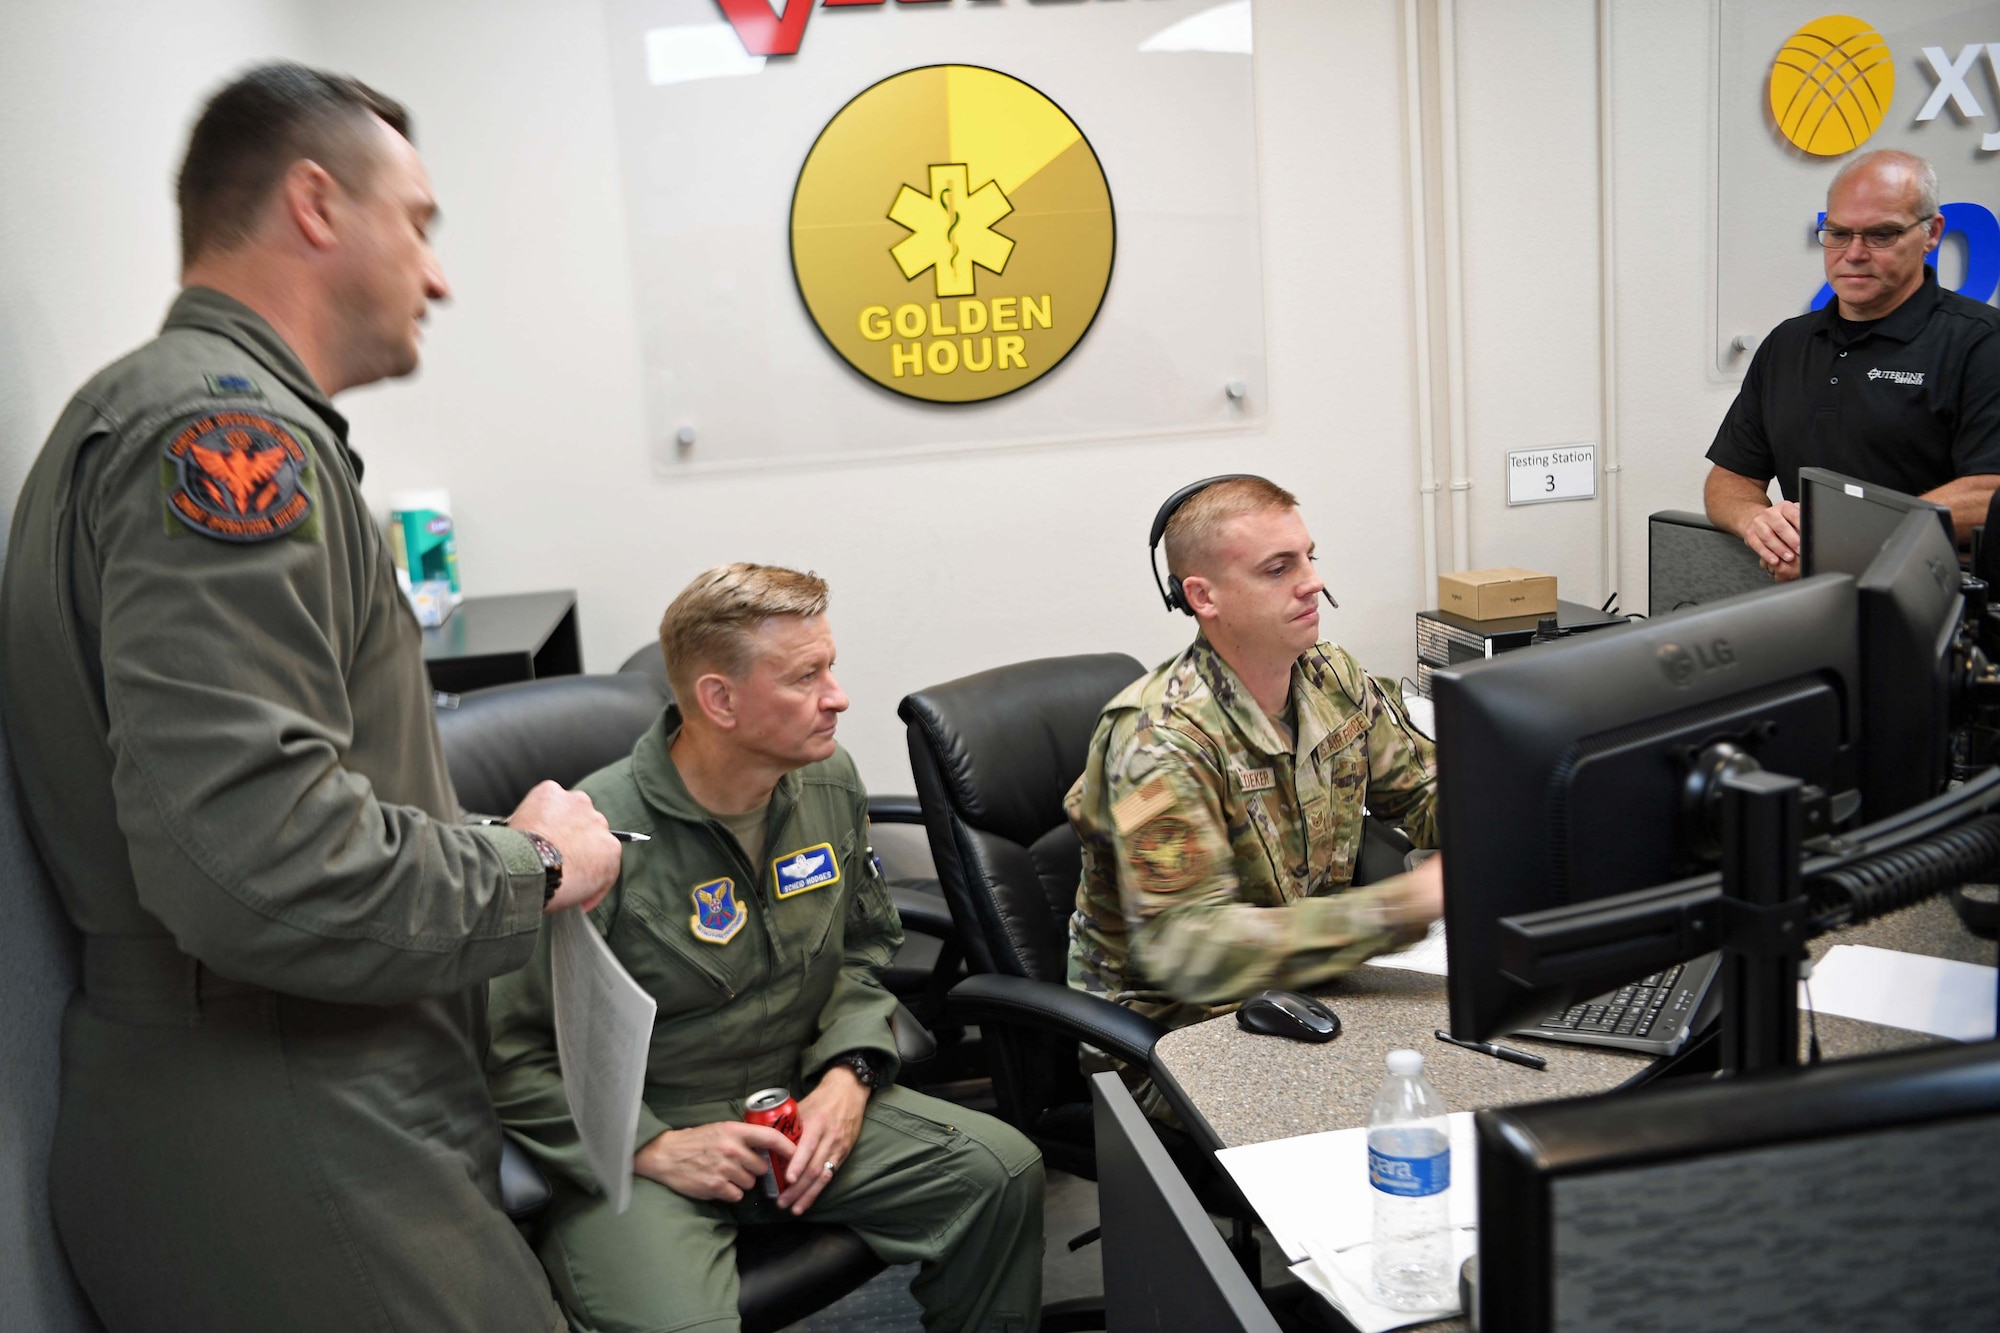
(932, 959)
(498, 743)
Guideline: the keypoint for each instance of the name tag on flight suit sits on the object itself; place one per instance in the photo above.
(806, 869)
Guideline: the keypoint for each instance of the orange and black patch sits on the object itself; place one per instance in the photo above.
(238, 477)
(1167, 856)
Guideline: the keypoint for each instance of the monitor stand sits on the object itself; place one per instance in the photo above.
(1765, 921)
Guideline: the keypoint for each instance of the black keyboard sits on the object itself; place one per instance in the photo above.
(1655, 1014)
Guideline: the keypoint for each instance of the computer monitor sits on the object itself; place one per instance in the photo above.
(1844, 522)
(1857, 1194)
(1571, 771)
(1911, 608)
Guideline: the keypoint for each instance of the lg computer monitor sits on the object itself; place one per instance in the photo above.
(1911, 608)
(1565, 770)
(1844, 522)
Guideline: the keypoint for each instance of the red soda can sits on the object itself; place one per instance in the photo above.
(774, 1108)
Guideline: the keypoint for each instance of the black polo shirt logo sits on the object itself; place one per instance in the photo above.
(1913, 377)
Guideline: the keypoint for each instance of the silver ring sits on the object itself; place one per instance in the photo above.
(830, 1167)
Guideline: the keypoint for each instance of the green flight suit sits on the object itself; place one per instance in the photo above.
(272, 1110)
(1217, 858)
(764, 970)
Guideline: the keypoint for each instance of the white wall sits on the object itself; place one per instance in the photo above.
(529, 407)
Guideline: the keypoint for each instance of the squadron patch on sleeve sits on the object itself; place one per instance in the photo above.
(808, 868)
(717, 915)
(1166, 856)
(238, 477)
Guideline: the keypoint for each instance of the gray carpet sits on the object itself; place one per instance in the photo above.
(884, 1305)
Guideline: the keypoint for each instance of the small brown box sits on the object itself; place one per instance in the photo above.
(1491, 594)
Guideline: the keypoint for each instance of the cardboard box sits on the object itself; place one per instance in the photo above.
(1489, 594)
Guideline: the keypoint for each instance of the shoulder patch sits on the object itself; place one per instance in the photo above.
(1141, 804)
(237, 477)
(1167, 856)
(232, 385)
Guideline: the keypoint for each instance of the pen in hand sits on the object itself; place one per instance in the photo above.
(617, 833)
(1506, 1053)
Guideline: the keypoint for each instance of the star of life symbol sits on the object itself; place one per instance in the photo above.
(950, 229)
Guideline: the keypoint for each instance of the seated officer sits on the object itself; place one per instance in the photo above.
(758, 920)
(1220, 810)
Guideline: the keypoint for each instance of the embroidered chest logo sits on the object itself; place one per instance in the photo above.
(1898, 376)
(806, 869)
(1255, 779)
(717, 915)
(238, 477)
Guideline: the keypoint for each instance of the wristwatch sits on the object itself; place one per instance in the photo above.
(551, 865)
(861, 1064)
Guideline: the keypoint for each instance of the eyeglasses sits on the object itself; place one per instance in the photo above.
(1878, 238)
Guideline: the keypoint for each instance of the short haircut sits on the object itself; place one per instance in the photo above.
(708, 627)
(1923, 172)
(251, 133)
(1191, 532)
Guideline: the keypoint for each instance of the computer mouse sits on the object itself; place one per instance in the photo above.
(1283, 1013)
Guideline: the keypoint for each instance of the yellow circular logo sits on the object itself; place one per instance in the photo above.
(952, 234)
(1831, 84)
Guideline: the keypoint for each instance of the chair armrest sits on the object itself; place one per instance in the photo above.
(922, 910)
(914, 1042)
(895, 809)
(524, 1190)
(1052, 1008)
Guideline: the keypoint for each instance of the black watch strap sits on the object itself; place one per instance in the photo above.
(862, 1064)
(552, 864)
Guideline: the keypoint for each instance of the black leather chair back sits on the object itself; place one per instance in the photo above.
(994, 754)
(500, 742)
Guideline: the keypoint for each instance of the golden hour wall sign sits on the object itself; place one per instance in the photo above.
(952, 234)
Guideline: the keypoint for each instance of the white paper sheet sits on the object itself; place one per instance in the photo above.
(1903, 990)
(1428, 954)
(1347, 1282)
(1313, 1194)
(604, 1023)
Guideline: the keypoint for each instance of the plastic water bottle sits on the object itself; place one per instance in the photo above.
(1409, 1165)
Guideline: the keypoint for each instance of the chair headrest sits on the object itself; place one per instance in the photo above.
(1010, 741)
(500, 742)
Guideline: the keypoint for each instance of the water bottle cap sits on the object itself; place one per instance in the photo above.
(1406, 1064)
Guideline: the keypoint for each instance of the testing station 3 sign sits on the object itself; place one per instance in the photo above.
(952, 233)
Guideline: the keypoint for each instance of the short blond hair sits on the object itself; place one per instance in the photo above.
(1191, 532)
(708, 627)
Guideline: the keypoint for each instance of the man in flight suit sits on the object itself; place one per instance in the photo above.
(1220, 808)
(758, 920)
(272, 1112)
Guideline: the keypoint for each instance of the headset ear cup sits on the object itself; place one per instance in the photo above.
(1177, 595)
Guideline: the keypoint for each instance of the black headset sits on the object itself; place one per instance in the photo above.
(1171, 592)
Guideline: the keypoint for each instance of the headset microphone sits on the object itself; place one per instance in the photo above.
(1171, 592)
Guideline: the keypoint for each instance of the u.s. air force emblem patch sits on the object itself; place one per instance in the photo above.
(717, 915)
(808, 868)
(238, 477)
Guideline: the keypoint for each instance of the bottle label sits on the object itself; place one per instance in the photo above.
(1411, 1177)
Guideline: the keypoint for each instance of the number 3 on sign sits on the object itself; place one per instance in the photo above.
(1562, 472)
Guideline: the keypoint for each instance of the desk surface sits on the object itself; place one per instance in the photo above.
(511, 624)
(1253, 1087)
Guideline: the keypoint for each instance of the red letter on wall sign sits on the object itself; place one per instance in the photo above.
(764, 33)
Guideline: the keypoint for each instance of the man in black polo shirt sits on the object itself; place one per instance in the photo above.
(1896, 381)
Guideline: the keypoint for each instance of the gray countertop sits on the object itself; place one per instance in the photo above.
(1253, 1087)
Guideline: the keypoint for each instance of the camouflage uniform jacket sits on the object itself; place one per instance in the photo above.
(1216, 859)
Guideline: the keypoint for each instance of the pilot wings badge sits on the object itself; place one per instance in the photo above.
(717, 915)
(808, 868)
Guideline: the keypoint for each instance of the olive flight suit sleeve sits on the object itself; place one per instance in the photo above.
(225, 679)
(856, 1015)
(1402, 764)
(1190, 933)
(524, 1072)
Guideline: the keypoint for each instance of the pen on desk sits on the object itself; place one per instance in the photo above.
(1506, 1053)
(617, 833)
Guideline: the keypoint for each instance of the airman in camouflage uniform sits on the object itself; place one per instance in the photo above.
(1220, 841)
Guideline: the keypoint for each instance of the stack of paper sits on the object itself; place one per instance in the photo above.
(1313, 1195)
(1903, 990)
